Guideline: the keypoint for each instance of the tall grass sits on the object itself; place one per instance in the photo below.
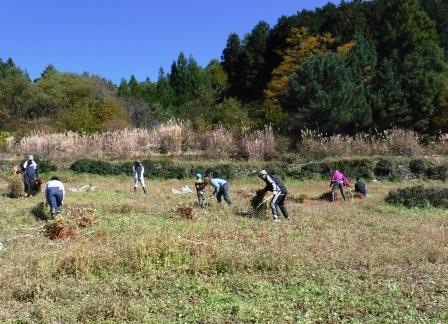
(172, 138)
(177, 138)
(394, 142)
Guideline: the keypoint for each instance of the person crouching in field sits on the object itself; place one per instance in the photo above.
(338, 181)
(200, 187)
(360, 187)
(138, 170)
(54, 195)
(30, 174)
(220, 189)
(279, 191)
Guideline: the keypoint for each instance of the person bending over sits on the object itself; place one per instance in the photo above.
(54, 195)
(360, 187)
(338, 181)
(279, 191)
(220, 189)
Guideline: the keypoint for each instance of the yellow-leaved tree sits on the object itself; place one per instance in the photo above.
(300, 44)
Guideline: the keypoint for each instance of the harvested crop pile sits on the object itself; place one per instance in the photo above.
(327, 196)
(257, 201)
(358, 195)
(419, 196)
(16, 187)
(299, 198)
(36, 186)
(60, 229)
(187, 212)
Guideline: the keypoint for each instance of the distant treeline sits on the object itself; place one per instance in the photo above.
(355, 67)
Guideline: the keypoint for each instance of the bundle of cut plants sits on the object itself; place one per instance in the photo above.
(326, 196)
(185, 212)
(299, 198)
(60, 229)
(36, 186)
(259, 202)
(16, 187)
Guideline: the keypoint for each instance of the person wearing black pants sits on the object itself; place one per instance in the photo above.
(276, 186)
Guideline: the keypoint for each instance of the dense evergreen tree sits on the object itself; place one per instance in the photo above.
(231, 62)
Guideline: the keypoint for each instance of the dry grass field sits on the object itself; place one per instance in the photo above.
(159, 258)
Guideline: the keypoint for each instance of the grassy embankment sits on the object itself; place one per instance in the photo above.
(361, 260)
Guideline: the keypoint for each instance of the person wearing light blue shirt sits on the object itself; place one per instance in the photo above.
(220, 189)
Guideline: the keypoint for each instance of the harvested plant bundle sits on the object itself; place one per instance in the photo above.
(16, 187)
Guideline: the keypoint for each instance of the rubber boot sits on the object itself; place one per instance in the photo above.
(135, 189)
(144, 190)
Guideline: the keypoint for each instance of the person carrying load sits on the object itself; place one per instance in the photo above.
(279, 191)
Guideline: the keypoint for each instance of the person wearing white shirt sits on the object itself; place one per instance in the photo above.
(54, 195)
(138, 170)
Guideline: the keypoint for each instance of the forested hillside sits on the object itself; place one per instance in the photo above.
(354, 67)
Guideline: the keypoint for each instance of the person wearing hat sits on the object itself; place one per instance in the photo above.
(54, 195)
(200, 187)
(138, 170)
(279, 191)
(30, 173)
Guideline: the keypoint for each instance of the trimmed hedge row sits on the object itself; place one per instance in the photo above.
(419, 196)
(391, 169)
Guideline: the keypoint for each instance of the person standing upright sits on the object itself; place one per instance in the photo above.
(30, 173)
(138, 170)
(200, 187)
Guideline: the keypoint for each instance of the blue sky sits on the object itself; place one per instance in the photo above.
(115, 39)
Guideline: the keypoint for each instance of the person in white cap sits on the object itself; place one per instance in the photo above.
(30, 173)
(279, 191)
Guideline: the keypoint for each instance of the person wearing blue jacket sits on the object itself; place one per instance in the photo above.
(30, 173)
(54, 195)
(220, 189)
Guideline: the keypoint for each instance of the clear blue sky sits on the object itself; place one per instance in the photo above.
(115, 39)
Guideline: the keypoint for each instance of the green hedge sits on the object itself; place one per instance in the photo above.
(419, 196)
(367, 168)
(391, 169)
(45, 165)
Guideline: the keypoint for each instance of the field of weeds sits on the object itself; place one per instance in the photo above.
(159, 258)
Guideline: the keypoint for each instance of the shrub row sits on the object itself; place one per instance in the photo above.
(392, 169)
(419, 196)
